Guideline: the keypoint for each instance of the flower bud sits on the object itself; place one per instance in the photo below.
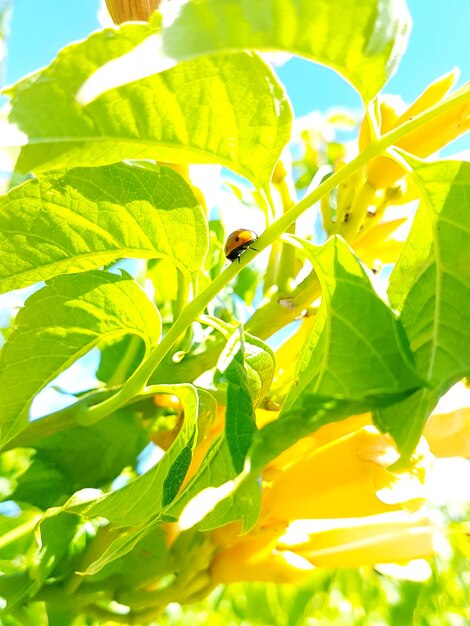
(383, 172)
(131, 10)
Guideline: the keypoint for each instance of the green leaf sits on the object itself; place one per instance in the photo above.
(363, 40)
(356, 351)
(56, 542)
(21, 527)
(56, 533)
(119, 359)
(59, 616)
(118, 543)
(240, 421)
(243, 504)
(86, 218)
(216, 469)
(207, 413)
(58, 324)
(176, 474)
(81, 457)
(146, 497)
(430, 286)
(41, 485)
(228, 110)
(260, 364)
(245, 370)
(126, 540)
(147, 559)
(15, 589)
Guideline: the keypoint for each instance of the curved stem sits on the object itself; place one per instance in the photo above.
(120, 373)
(137, 382)
(182, 293)
(286, 273)
(225, 329)
(55, 422)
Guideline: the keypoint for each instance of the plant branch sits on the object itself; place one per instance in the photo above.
(137, 382)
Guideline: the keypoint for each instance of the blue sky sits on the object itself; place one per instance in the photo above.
(439, 41)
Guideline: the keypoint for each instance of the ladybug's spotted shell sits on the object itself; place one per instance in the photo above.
(238, 242)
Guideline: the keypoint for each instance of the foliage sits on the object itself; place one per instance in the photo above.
(195, 453)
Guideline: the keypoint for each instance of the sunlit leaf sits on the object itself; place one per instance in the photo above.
(144, 561)
(217, 469)
(244, 372)
(58, 324)
(19, 542)
(259, 364)
(56, 533)
(362, 40)
(86, 218)
(355, 350)
(239, 415)
(146, 497)
(227, 110)
(430, 286)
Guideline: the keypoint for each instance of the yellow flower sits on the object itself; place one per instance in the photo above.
(380, 243)
(310, 500)
(277, 554)
(382, 172)
(448, 434)
(345, 478)
(389, 107)
(255, 557)
(303, 447)
(386, 538)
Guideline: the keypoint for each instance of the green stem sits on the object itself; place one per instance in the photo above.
(272, 271)
(120, 373)
(137, 382)
(225, 329)
(286, 273)
(181, 294)
(282, 310)
(19, 531)
(54, 422)
(271, 317)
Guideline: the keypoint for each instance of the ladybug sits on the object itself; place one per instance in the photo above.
(239, 241)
